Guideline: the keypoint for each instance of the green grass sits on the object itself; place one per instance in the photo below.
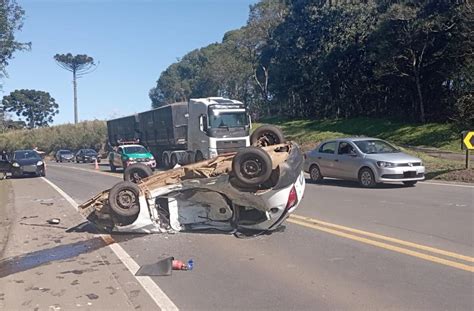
(441, 136)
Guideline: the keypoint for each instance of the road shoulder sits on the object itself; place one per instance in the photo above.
(61, 266)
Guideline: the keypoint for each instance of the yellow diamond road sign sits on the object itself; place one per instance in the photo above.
(469, 140)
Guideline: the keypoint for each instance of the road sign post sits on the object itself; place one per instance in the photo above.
(467, 143)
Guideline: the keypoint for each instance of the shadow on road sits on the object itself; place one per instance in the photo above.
(352, 184)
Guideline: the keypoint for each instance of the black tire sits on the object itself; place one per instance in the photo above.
(166, 161)
(411, 183)
(367, 178)
(267, 135)
(252, 166)
(43, 173)
(136, 172)
(173, 161)
(198, 157)
(112, 167)
(315, 173)
(123, 199)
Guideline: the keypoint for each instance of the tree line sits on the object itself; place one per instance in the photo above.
(410, 60)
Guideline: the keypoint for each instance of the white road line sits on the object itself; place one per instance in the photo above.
(155, 292)
(444, 184)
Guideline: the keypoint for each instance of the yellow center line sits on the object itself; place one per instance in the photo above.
(386, 238)
(386, 246)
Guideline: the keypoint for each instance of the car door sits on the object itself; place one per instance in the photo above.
(118, 157)
(326, 158)
(347, 161)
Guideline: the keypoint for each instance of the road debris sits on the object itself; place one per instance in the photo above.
(53, 221)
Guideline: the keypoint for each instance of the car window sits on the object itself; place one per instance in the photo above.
(120, 150)
(30, 154)
(345, 148)
(371, 146)
(328, 147)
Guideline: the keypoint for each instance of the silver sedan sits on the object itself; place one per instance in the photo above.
(367, 160)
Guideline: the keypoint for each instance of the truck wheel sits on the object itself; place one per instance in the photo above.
(252, 166)
(173, 161)
(112, 167)
(123, 199)
(166, 161)
(199, 157)
(136, 172)
(267, 135)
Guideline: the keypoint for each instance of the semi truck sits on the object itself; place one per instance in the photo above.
(186, 132)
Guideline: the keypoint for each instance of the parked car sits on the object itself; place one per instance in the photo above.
(126, 155)
(27, 162)
(367, 160)
(87, 156)
(5, 165)
(64, 156)
(250, 191)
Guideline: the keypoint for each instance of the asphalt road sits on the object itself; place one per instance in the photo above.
(346, 248)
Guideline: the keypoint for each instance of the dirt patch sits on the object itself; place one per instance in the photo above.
(466, 175)
(6, 213)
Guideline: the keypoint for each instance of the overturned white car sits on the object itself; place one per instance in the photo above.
(253, 190)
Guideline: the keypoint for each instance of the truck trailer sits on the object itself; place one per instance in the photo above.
(186, 132)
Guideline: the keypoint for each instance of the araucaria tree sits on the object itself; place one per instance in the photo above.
(79, 65)
(11, 20)
(36, 107)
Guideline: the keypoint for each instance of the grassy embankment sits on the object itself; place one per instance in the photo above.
(440, 136)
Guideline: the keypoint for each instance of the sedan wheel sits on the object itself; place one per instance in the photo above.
(366, 178)
(315, 173)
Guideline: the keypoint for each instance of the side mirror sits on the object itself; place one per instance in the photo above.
(203, 123)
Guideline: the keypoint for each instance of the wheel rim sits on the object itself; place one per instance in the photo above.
(366, 178)
(267, 139)
(251, 168)
(314, 173)
(126, 199)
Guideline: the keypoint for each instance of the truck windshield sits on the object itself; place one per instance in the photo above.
(228, 119)
(135, 149)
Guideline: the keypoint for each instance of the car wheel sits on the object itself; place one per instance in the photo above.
(123, 199)
(252, 166)
(199, 157)
(410, 183)
(267, 135)
(315, 173)
(367, 178)
(43, 173)
(136, 172)
(173, 161)
(112, 167)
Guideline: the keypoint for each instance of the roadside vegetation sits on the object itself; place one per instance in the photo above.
(88, 134)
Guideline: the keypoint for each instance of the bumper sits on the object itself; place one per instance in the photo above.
(91, 159)
(27, 170)
(400, 174)
(151, 164)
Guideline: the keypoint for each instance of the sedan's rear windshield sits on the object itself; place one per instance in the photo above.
(21, 155)
(135, 149)
(375, 146)
(66, 152)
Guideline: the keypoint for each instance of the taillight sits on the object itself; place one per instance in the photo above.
(292, 198)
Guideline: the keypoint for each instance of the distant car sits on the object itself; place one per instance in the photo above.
(367, 160)
(87, 156)
(64, 155)
(27, 162)
(130, 154)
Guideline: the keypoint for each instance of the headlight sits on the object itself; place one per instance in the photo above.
(16, 165)
(131, 159)
(39, 163)
(386, 164)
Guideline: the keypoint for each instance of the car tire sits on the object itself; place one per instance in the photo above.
(112, 167)
(173, 160)
(252, 166)
(410, 183)
(267, 135)
(136, 172)
(166, 161)
(198, 157)
(367, 178)
(315, 173)
(42, 173)
(123, 199)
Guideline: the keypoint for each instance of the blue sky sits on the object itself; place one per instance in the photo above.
(134, 40)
